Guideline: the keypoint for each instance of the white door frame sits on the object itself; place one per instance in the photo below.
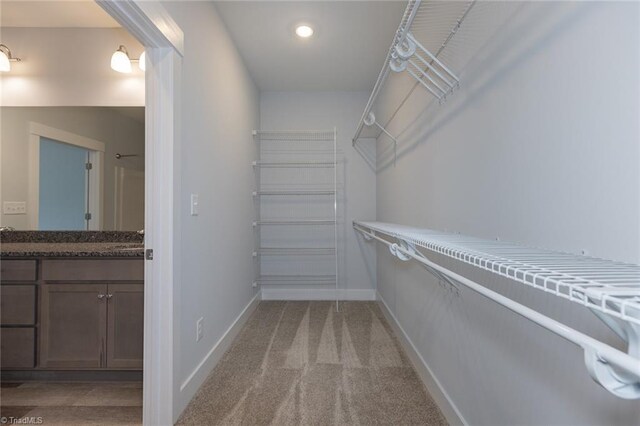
(96, 158)
(163, 39)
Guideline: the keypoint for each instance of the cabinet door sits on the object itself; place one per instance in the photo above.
(125, 330)
(73, 326)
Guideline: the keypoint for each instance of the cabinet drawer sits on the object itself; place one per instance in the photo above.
(18, 270)
(17, 304)
(17, 347)
(93, 270)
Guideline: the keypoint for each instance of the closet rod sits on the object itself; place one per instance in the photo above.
(600, 358)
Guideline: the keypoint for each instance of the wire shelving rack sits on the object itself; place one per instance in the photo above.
(296, 208)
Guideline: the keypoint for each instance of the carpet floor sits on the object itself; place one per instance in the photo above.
(303, 363)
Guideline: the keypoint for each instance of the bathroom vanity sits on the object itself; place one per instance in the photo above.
(72, 305)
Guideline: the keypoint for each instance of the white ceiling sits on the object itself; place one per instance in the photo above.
(346, 52)
(54, 14)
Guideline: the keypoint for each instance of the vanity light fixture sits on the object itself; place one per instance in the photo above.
(121, 62)
(304, 31)
(6, 58)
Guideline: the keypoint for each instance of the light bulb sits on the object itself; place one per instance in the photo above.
(120, 60)
(304, 31)
(141, 63)
(5, 65)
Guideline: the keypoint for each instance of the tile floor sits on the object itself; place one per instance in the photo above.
(86, 404)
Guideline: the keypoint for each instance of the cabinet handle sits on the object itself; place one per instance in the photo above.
(109, 296)
(101, 296)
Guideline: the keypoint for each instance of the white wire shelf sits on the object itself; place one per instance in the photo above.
(415, 52)
(296, 279)
(611, 290)
(295, 222)
(294, 135)
(610, 287)
(294, 251)
(293, 192)
(294, 164)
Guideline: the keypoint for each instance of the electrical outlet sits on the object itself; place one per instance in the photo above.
(14, 207)
(199, 329)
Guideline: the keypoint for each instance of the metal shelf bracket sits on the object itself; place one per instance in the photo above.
(370, 120)
(620, 382)
(406, 247)
(411, 56)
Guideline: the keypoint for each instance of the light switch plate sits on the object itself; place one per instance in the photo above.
(194, 204)
(14, 207)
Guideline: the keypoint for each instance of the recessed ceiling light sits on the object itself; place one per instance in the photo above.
(304, 31)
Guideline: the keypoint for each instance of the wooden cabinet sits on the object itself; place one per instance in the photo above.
(86, 270)
(18, 294)
(88, 326)
(73, 326)
(125, 318)
(72, 314)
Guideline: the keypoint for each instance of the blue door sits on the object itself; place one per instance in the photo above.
(63, 186)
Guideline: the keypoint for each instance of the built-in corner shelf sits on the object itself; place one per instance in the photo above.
(611, 290)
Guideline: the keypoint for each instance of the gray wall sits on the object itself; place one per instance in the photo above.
(119, 133)
(326, 110)
(539, 146)
(219, 110)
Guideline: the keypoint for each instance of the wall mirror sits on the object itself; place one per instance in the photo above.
(72, 168)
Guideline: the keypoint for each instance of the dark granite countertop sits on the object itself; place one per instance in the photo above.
(71, 244)
(104, 249)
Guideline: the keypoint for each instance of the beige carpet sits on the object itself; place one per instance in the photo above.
(302, 363)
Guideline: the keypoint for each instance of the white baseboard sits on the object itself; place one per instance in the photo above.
(197, 377)
(318, 294)
(440, 396)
